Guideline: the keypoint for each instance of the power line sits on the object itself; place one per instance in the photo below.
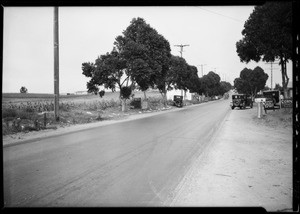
(237, 20)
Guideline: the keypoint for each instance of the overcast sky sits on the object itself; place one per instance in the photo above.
(87, 32)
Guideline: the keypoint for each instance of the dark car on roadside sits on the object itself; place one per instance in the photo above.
(241, 100)
(178, 100)
(272, 99)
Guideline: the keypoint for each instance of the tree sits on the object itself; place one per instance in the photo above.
(107, 71)
(267, 35)
(251, 81)
(210, 84)
(179, 73)
(266, 88)
(23, 90)
(278, 87)
(182, 76)
(139, 57)
(147, 54)
(193, 79)
(225, 87)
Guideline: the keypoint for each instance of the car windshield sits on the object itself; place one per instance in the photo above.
(237, 96)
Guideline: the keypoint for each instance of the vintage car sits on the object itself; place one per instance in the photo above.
(272, 99)
(241, 101)
(178, 100)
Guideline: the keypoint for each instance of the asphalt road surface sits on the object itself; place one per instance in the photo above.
(133, 163)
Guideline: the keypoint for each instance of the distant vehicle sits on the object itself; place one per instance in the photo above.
(241, 101)
(178, 100)
(272, 99)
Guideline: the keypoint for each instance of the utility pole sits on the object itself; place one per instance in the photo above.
(271, 73)
(215, 71)
(181, 48)
(202, 68)
(56, 65)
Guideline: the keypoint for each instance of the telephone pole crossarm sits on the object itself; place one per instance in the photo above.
(181, 48)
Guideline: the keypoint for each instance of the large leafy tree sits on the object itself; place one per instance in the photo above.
(179, 73)
(225, 87)
(210, 84)
(193, 79)
(108, 71)
(251, 81)
(140, 57)
(267, 35)
(182, 76)
(147, 55)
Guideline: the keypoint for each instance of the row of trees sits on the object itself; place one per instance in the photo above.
(251, 81)
(267, 36)
(141, 59)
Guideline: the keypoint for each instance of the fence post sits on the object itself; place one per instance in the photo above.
(45, 119)
(259, 110)
(36, 124)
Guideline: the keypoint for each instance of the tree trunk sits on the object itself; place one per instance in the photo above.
(164, 96)
(165, 99)
(123, 102)
(285, 79)
(145, 97)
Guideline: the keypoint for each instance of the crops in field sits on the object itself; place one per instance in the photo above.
(27, 112)
(63, 106)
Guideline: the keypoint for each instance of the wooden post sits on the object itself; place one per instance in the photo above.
(45, 119)
(259, 110)
(56, 65)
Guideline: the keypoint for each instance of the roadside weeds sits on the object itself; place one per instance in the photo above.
(24, 137)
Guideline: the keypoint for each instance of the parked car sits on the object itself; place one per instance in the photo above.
(178, 100)
(241, 101)
(272, 99)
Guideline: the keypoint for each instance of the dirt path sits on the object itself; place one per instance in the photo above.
(249, 164)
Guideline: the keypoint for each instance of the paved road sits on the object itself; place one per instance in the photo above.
(134, 163)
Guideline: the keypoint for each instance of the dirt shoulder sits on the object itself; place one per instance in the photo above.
(249, 163)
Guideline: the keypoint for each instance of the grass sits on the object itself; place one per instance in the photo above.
(26, 112)
(280, 118)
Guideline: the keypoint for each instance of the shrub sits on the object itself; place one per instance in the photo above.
(8, 112)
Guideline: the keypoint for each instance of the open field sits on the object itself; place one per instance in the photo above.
(33, 112)
(16, 98)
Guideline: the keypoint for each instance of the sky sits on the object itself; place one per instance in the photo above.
(88, 32)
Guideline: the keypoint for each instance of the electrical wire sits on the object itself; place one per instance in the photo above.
(221, 15)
